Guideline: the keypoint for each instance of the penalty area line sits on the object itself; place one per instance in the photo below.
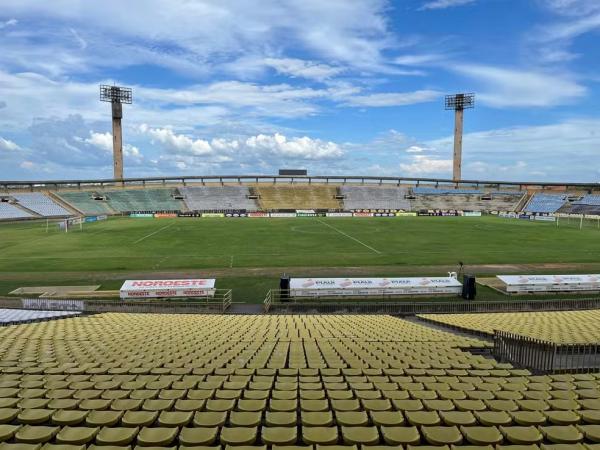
(350, 237)
(153, 233)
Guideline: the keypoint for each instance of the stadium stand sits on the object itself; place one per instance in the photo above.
(211, 198)
(297, 197)
(589, 200)
(560, 327)
(374, 197)
(143, 200)
(458, 202)
(113, 380)
(545, 203)
(85, 203)
(9, 211)
(14, 316)
(41, 204)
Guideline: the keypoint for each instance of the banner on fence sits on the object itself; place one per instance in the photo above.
(141, 215)
(363, 214)
(165, 215)
(364, 287)
(339, 214)
(550, 283)
(283, 214)
(54, 305)
(545, 218)
(213, 215)
(258, 214)
(406, 214)
(168, 288)
(472, 213)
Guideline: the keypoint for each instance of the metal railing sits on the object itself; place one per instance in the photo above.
(276, 303)
(545, 356)
(220, 303)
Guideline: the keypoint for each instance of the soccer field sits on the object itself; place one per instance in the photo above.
(122, 244)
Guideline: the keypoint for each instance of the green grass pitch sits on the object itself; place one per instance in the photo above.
(108, 252)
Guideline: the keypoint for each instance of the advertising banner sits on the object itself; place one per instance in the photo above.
(363, 214)
(406, 214)
(283, 214)
(550, 283)
(326, 287)
(213, 215)
(168, 288)
(54, 305)
(339, 214)
(165, 215)
(142, 215)
(545, 218)
(258, 214)
(472, 214)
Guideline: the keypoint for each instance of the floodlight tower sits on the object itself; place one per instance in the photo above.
(459, 102)
(116, 96)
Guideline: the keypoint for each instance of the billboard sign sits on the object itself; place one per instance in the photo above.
(168, 288)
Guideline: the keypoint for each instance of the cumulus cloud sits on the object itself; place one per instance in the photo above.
(502, 87)
(8, 146)
(261, 144)
(443, 4)
(427, 165)
(8, 23)
(104, 142)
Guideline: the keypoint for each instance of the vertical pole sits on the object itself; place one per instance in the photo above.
(117, 115)
(581, 222)
(458, 137)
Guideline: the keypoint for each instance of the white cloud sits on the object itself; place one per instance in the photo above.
(8, 23)
(100, 140)
(8, 146)
(501, 87)
(427, 165)
(443, 4)
(418, 59)
(393, 98)
(415, 149)
(302, 68)
(572, 7)
(259, 145)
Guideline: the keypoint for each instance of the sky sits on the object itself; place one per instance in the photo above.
(337, 87)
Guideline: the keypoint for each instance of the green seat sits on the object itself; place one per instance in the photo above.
(8, 431)
(126, 404)
(387, 418)
(360, 435)
(116, 435)
(7, 415)
(139, 418)
(319, 435)
(420, 418)
(198, 436)
(220, 405)
(32, 434)
(314, 405)
(400, 435)
(62, 447)
(562, 417)
(562, 434)
(251, 405)
(442, 435)
(383, 404)
(160, 436)
(590, 416)
(157, 405)
(281, 418)
(69, 417)
(590, 432)
(245, 418)
(481, 435)
(469, 405)
(34, 416)
(95, 404)
(493, 418)
(20, 446)
(407, 405)
(76, 435)
(522, 435)
(210, 418)
(174, 418)
(279, 435)
(103, 418)
(351, 418)
(528, 418)
(457, 418)
(189, 405)
(345, 405)
(238, 435)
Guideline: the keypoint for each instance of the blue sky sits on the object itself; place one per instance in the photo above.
(336, 87)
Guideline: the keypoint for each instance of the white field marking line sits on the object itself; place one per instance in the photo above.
(350, 237)
(153, 233)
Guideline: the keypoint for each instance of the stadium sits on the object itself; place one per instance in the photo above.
(288, 309)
